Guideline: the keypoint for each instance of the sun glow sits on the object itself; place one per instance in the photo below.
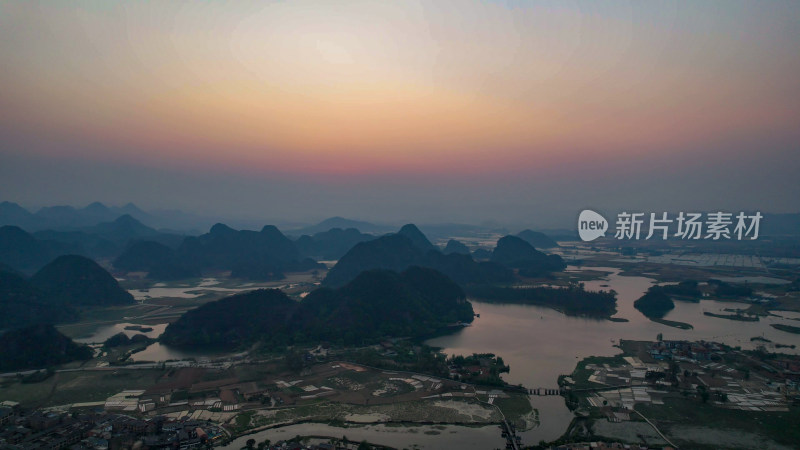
(372, 86)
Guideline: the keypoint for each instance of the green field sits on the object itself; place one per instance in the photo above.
(779, 426)
(581, 374)
(514, 407)
(77, 387)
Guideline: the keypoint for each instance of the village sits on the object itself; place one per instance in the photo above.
(199, 404)
(38, 429)
(726, 377)
(655, 384)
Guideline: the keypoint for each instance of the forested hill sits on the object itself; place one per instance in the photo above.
(39, 346)
(331, 244)
(22, 304)
(398, 252)
(375, 305)
(257, 255)
(515, 252)
(77, 280)
(409, 247)
(537, 239)
(56, 292)
(570, 300)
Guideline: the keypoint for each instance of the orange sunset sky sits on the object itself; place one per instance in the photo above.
(440, 111)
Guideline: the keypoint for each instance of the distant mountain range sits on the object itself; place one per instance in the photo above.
(267, 254)
(25, 253)
(448, 230)
(331, 244)
(259, 255)
(70, 218)
(375, 305)
(67, 217)
(28, 252)
(108, 239)
(410, 247)
(263, 255)
(342, 223)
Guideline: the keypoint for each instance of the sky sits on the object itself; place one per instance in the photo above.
(445, 111)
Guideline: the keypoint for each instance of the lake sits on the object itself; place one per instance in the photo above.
(540, 344)
(101, 334)
(205, 286)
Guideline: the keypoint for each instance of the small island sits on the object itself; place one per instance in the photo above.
(572, 300)
(786, 328)
(656, 303)
(739, 317)
(139, 328)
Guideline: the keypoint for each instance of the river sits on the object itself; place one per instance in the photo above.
(420, 437)
(540, 344)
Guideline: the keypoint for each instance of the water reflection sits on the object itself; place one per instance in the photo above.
(159, 352)
(421, 437)
(103, 333)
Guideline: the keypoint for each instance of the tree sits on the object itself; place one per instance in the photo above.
(250, 443)
(674, 368)
(704, 394)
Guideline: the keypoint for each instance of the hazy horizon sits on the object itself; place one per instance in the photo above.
(509, 112)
